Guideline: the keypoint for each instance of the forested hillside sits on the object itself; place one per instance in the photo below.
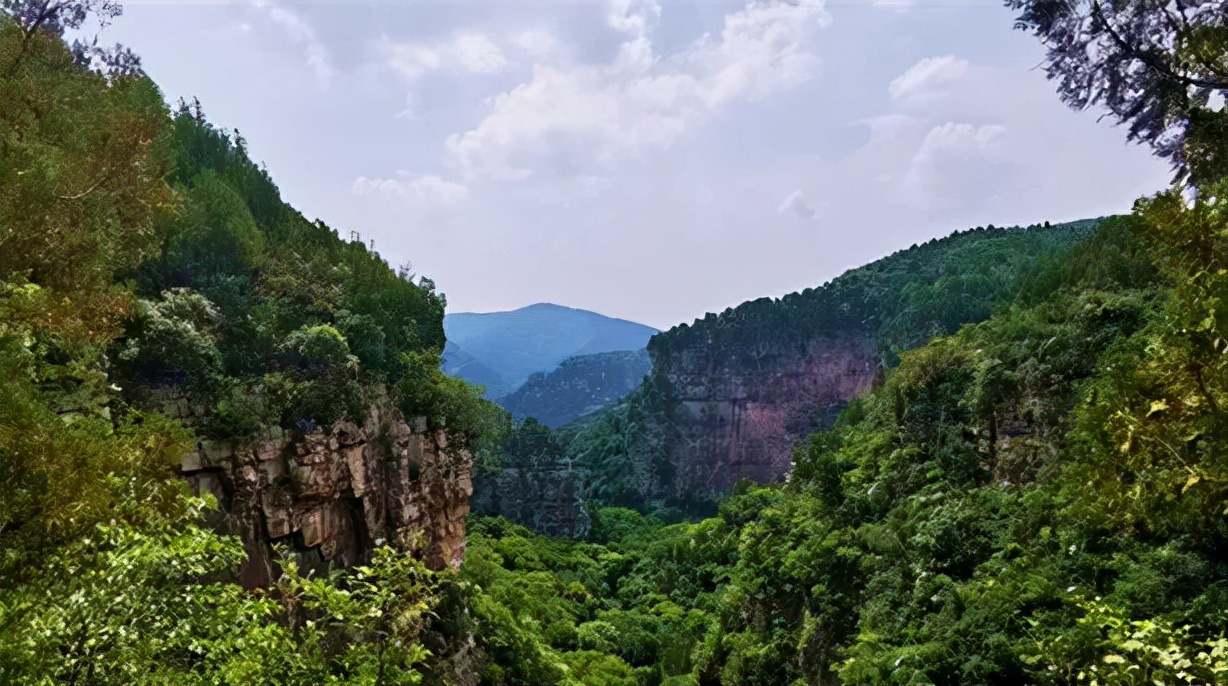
(731, 394)
(579, 386)
(903, 299)
(1036, 499)
(159, 303)
(1031, 491)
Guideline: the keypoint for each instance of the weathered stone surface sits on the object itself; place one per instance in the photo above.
(334, 494)
(740, 420)
(721, 414)
(191, 463)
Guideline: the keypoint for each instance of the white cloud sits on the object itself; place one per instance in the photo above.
(927, 79)
(639, 101)
(302, 34)
(634, 17)
(648, 167)
(428, 188)
(762, 48)
(957, 164)
(795, 203)
(535, 42)
(464, 51)
(410, 59)
(888, 128)
(476, 53)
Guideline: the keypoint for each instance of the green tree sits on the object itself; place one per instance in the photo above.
(1156, 66)
(82, 165)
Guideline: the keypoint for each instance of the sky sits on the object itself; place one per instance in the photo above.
(646, 159)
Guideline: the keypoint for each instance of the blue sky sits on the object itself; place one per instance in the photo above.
(646, 159)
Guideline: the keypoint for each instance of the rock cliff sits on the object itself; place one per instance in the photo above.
(543, 493)
(333, 495)
(739, 419)
(731, 394)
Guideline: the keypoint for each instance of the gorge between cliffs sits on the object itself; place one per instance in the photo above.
(241, 446)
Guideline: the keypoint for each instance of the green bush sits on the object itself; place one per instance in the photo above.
(594, 668)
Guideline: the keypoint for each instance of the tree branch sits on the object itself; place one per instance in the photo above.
(77, 196)
(1151, 60)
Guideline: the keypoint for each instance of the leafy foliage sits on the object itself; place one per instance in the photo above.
(154, 602)
(1032, 497)
(905, 298)
(140, 250)
(629, 451)
(1154, 65)
(1035, 499)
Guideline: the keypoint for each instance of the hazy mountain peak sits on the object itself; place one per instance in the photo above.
(517, 343)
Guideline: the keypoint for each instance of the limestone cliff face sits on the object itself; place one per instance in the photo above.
(737, 415)
(730, 395)
(333, 495)
(710, 413)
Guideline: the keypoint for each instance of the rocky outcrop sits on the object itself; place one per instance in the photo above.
(731, 395)
(333, 495)
(735, 419)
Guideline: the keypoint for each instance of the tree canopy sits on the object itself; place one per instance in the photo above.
(1160, 67)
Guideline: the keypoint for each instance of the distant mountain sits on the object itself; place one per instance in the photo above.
(457, 362)
(500, 350)
(579, 385)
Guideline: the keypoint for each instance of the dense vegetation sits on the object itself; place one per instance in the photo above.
(903, 299)
(140, 251)
(1035, 498)
(579, 386)
(627, 451)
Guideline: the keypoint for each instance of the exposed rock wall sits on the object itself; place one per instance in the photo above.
(737, 415)
(334, 495)
(708, 416)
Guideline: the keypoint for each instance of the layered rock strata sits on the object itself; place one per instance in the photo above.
(333, 495)
(543, 493)
(734, 419)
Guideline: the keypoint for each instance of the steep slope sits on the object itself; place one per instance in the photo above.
(165, 320)
(579, 386)
(519, 343)
(241, 319)
(730, 395)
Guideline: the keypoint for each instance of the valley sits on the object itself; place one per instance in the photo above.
(238, 448)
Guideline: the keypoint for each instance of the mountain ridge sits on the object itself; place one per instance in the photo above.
(730, 395)
(501, 350)
(580, 385)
